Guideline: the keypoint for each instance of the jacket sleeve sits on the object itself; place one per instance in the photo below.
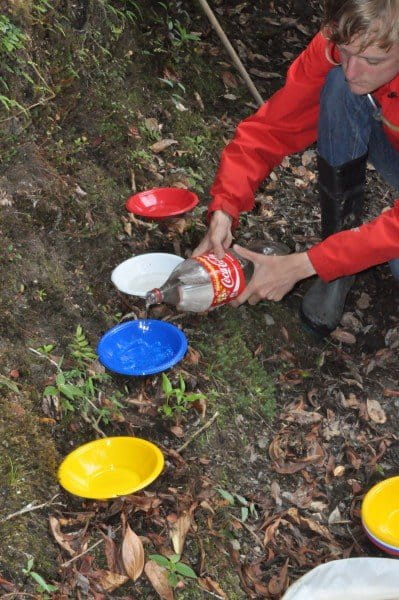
(354, 250)
(283, 125)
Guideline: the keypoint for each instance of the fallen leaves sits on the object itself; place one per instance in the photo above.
(178, 531)
(162, 145)
(158, 578)
(132, 554)
(375, 411)
(341, 335)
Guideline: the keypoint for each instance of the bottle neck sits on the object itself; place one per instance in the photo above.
(155, 296)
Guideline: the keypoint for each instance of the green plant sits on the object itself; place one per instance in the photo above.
(78, 389)
(43, 587)
(10, 103)
(46, 349)
(7, 383)
(151, 134)
(41, 295)
(13, 475)
(81, 349)
(177, 571)
(11, 37)
(175, 96)
(179, 34)
(177, 400)
(247, 508)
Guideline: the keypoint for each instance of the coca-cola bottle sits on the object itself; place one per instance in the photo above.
(198, 284)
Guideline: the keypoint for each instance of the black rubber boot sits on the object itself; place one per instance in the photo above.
(341, 192)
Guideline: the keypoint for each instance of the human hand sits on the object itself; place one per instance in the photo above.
(218, 237)
(273, 276)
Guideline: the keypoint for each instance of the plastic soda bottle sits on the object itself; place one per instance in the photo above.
(198, 284)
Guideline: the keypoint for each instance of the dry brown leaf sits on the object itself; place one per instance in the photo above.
(309, 523)
(127, 228)
(229, 80)
(364, 301)
(391, 393)
(339, 471)
(343, 336)
(108, 580)
(177, 430)
(193, 356)
(199, 101)
(303, 417)
(178, 531)
(162, 145)
(375, 411)
(144, 503)
(265, 74)
(111, 554)
(152, 124)
(211, 586)
(279, 583)
(271, 531)
(353, 458)
(159, 580)
(132, 554)
(62, 539)
(179, 225)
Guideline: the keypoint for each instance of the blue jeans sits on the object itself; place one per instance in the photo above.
(349, 127)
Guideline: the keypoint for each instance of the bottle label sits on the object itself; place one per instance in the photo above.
(226, 275)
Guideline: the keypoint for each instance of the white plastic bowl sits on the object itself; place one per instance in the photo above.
(140, 274)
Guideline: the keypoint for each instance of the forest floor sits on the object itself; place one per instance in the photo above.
(113, 97)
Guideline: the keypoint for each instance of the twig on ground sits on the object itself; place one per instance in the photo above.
(29, 508)
(211, 593)
(45, 356)
(71, 560)
(196, 433)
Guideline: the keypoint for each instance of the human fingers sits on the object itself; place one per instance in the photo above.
(203, 247)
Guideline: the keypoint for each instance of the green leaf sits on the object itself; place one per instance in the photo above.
(50, 390)
(70, 391)
(241, 500)
(244, 513)
(173, 579)
(42, 583)
(166, 385)
(162, 561)
(185, 570)
(5, 382)
(226, 495)
(174, 558)
(60, 379)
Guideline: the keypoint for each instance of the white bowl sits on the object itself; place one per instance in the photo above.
(140, 274)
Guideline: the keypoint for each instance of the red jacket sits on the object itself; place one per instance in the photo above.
(287, 123)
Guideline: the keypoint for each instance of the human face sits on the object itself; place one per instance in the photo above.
(369, 69)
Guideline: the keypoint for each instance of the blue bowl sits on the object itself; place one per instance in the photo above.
(142, 347)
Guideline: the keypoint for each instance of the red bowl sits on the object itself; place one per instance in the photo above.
(160, 203)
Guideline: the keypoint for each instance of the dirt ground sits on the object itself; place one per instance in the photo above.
(272, 485)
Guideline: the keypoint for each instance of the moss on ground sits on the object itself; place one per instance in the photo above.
(28, 462)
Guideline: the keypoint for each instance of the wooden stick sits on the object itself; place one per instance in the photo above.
(29, 508)
(196, 433)
(233, 54)
(71, 560)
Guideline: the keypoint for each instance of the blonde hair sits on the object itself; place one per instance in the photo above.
(375, 21)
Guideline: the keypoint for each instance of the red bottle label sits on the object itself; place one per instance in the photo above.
(226, 275)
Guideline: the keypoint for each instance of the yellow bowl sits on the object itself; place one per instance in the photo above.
(380, 511)
(110, 467)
